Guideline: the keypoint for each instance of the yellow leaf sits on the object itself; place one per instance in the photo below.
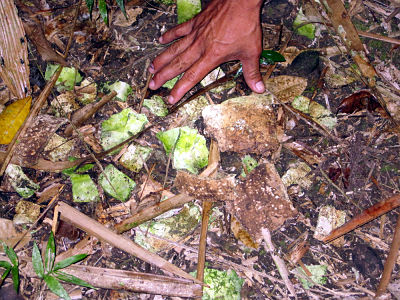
(12, 117)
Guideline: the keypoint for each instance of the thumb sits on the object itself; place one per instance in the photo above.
(252, 75)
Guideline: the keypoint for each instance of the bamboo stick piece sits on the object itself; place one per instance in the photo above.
(122, 279)
(213, 159)
(152, 212)
(96, 229)
(136, 281)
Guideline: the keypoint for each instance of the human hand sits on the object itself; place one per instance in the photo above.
(225, 30)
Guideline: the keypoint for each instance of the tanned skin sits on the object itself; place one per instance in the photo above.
(225, 30)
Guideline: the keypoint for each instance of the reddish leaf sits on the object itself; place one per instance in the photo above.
(358, 101)
(334, 173)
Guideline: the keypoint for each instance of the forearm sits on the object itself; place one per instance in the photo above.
(249, 4)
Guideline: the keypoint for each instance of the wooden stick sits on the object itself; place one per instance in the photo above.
(96, 229)
(390, 261)
(367, 215)
(152, 212)
(213, 159)
(160, 208)
(201, 255)
(279, 262)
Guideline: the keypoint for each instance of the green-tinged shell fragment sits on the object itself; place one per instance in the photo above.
(26, 212)
(189, 148)
(221, 284)
(156, 105)
(299, 174)
(317, 112)
(318, 273)
(249, 163)
(68, 78)
(121, 126)
(191, 111)
(170, 83)
(302, 104)
(83, 188)
(134, 157)
(329, 218)
(322, 115)
(123, 90)
(171, 228)
(59, 147)
(116, 184)
(24, 186)
(187, 9)
(215, 75)
(87, 97)
(306, 30)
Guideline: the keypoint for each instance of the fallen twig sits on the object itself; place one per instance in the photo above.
(367, 215)
(280, 263)
(390, 261)
(103, 233)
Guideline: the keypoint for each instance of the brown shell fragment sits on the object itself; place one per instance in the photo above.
(262, 201)
(244, 125)
(258, 201)
(205, 188)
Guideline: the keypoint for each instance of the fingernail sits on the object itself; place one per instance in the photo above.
(260, 87)
(160, 39)
(151, 68)
(151, 84)
(171, 100)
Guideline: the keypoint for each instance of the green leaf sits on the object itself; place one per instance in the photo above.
(103, 11)
(56, 287)
(69, 261)
(122, 7)
(37, 261)
(6, 265)
(15, 278)
(271, 57)
(90, 4)
(11, 254)
(50, 254)
(75, 170)
(72, 279)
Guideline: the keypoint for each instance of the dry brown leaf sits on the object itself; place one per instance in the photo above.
(286, 87)
(365, 67)
(132, 14)
(10, 236)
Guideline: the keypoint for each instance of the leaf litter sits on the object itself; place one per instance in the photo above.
(361, 145)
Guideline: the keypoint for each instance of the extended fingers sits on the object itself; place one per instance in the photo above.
(170, 53)
(191, 77)
(177, 32)
(173, 66)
